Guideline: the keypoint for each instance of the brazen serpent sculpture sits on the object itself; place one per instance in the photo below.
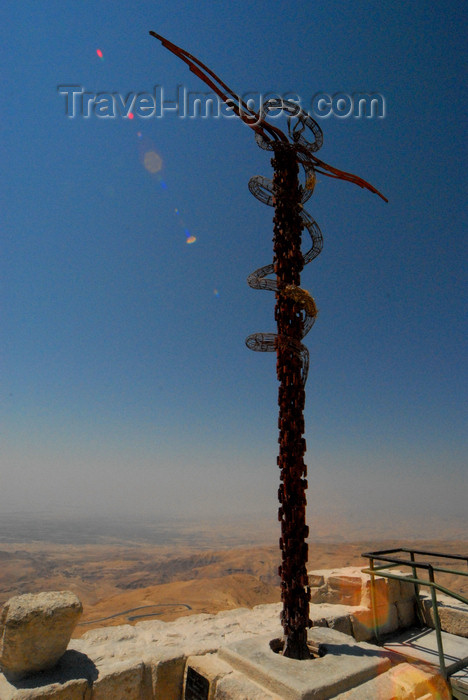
(295, 313)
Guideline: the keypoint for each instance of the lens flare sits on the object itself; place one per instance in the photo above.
(152, 162)
(130, 115)
(99, 53)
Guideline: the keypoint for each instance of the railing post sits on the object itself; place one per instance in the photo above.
(373, 601)
(438, 632)
(419, 610)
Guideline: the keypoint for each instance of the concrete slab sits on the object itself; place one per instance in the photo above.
(345, 665)
(421, 645)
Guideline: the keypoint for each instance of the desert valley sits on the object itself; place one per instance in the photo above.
(124, 571)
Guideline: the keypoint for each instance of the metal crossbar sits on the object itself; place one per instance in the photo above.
(383, 571)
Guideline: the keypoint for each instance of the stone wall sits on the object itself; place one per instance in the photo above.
(395, 600)
(152, 661)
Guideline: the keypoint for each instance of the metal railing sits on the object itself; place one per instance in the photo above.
(385, 555)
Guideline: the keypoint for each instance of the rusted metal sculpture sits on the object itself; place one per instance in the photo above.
(295, 314)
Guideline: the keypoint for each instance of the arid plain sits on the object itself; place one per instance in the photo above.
(126, 571)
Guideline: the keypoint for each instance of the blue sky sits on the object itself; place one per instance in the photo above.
(127, 387)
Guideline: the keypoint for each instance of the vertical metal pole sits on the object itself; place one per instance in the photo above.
(435, 612)
(288, 261)
(419, 611)
(374, 602)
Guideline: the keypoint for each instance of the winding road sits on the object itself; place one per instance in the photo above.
(130, 618)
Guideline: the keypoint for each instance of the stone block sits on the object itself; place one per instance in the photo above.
(399, 589)
(210, 667)
(362, 625)
(319, 594)
(453, 615)
(316, 579)
(319, 622)
(166, 670)
(119, 681)
(387, 619)
(454, 620)
(406, 611)
(407, 591)
(341, 624)
(362, 622)
(35, 630)
(342, 586)
(402, 682)
(69, 690)
(344, 589)
(70, 679)
(349, 586)
(236, 686)
(387, 591)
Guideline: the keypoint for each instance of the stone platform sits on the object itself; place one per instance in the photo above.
(230, 650)
(228, 656)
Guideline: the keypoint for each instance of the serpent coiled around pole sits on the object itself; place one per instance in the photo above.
(262, 188)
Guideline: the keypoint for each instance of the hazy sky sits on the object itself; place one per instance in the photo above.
(126, 384)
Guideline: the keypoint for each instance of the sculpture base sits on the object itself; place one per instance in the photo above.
(343, 665)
